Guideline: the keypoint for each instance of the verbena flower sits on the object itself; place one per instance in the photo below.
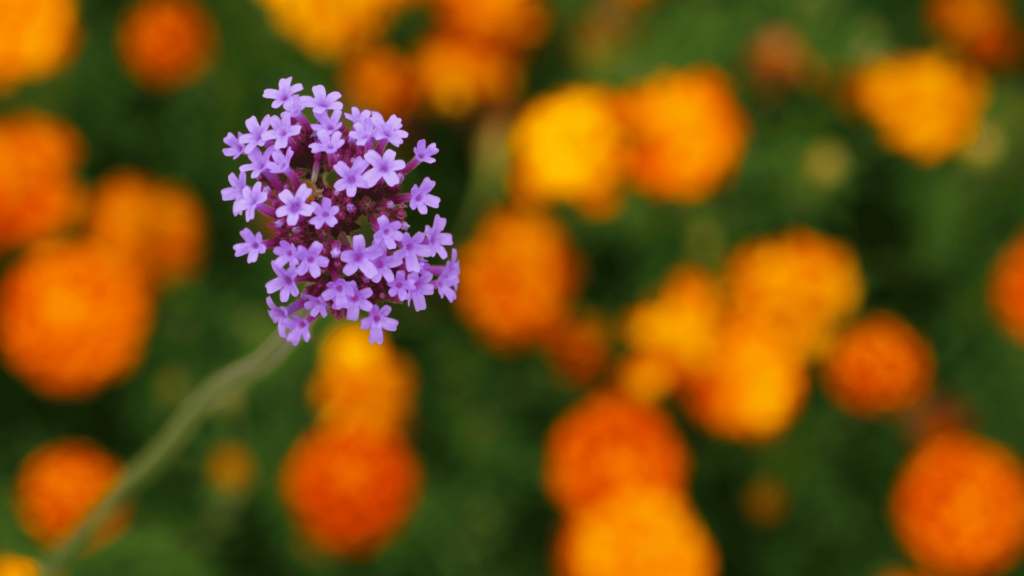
(320, 184)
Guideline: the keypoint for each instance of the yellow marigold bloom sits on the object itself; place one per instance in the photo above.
(882, 364)
(380, 78)
(646, 378)
(682, 323)
(797, 285)
(513, 23)
(40, 38)
(362, 387)
(161, 223)
(17, 565)
(985, 30)
(350, 494)
(74, 318)
(1006, 289)
(567, 146)
(40, 192)
(459, 75)
(957, 505)
(688, 134)
(764, 501)
(518, 279)
(923, 105)
(166, 45)
(754, 390)
(605, 443)
(653, 531)
(579, 348)
(229, 467)
(328, 30)
(57, 485)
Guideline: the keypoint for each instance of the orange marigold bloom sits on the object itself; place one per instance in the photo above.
(567, 146)
(984, 30)
(166, 45)
(606, 442)
(880, 365)
(579, 348)
(957, 505)
(512, 23)
(518, 279)
(654, 531)
(229, 467)
(924, 105)
(363, 387)
(350, 494)
(646, 378)
(17, 565)
(682, 323)
(40, 38)
(380, 78)
(159, 222)
(40, 192)
(1006, 289)
(754, 390)
(74, 318)
(459, 75)
(57, 485)
(798, 285)
(688, 134)
(764, 501)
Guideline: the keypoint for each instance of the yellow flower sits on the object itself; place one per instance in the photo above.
(17, 565)
(513, 23)
(923, 105)
(40, 38)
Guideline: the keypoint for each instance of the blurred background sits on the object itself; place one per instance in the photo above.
(742, 291)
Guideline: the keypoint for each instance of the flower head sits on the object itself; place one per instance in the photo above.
(321, 261)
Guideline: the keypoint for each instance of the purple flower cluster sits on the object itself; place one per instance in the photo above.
(318, 181)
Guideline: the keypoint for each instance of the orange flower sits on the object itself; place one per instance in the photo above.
(797, 285)
(1006, 289)
(682, 323)
(17, 565)
(520, 24)
(380, 78)
(229, 467)
(923, 105)
(567, 146)
(764, 501)
(688, 134)
(985, 30)
(778, 58)
(646, 378)
(329, 30)
(957, 505)
(350, 494)
(518, 279)
(578, 349)
(166, 45)
(159, 222)
(605, 443)
(57, 485)
(363, 387)
(74, 318)
(653, 531)
(880, 365)
(40, 38)
(40, 192)
(754, 390)
(457, 75)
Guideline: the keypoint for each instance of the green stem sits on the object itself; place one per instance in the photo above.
(187, 418)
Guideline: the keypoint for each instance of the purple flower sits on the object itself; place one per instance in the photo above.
(420, 198)
(391, 131)
(299, 330)
(377, 322)
(327, 142)
(410, 248)
(359, 257)
(283, 283)
(234, 147)
(287, 254)
(310, 260)
(435, 238)
(321, 101)
(401, 285)
(337, 290)
(252, 246)
(387, 232)
(329, 122)
(281, 162)
(258, 161)
(316, 306)
(324, 214)
(257, 133)
(356, 301)
(363, 132)
(423, 287)
(295, 205)
(251, 199)
(294, 106)
(234, 191)
(279, 315)
(385, 263)
(448, 280)
(350, 178)
(285, 90)
(356, 115)
(424, 153)
(385, 167)
(281, 129)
